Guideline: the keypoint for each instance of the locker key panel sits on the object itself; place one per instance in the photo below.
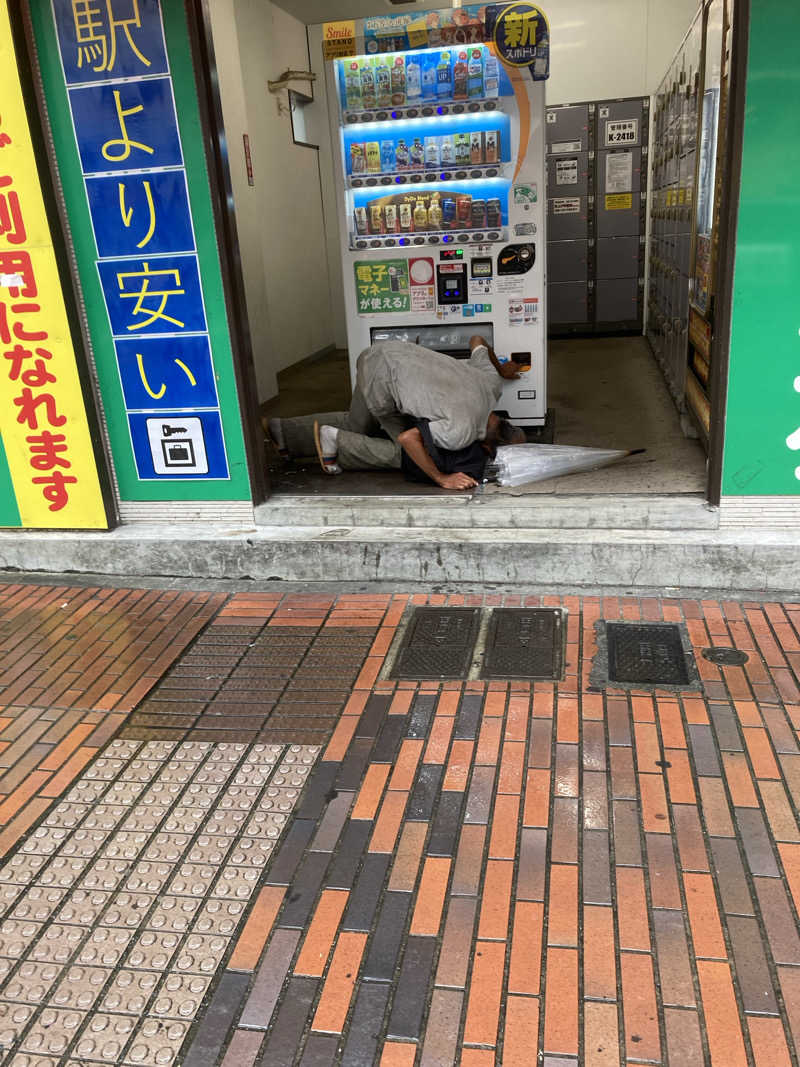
(567, 129)
(618, 257)
(568, 303)
(568, 175)
(617, 300)
(622, 124)
(620, 221)
(567, 261)
(567, 218)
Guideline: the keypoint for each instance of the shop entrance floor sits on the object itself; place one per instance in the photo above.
(605, 393)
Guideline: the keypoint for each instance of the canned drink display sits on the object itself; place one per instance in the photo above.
(362, 226)
(464, 212)
(494, 214)
(448, 212)
(478, 214)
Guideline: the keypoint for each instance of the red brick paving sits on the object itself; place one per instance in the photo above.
(606, 877)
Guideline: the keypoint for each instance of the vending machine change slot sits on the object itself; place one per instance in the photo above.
(451, 279)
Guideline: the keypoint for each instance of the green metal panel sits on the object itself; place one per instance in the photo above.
(132, 487)
(9, 512)
(763, 409)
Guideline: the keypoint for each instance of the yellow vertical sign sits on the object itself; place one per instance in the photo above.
(43, 420)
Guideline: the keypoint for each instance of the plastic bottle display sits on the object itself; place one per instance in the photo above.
(373, 157)
(429, 64)
(369, 97)
(406, 220)
(388, 158)
(352, 86)
(447, 151)
(491, 77)
(460, 70)
(435, 212)
(475, 74)
(420, 216)
(417, 154)
(390, 216)
(413, 79)
(358, 159)
(432, 154)
(399, 82)
(383, 82)
(462, 149)
(402, 157)
(361, 220)
(444, 77)
(428, 213)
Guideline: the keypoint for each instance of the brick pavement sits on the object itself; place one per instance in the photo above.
(472, 871)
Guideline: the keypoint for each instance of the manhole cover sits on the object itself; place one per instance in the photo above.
(438, 644)
(648, 654)
(726, 657)
(523, 643)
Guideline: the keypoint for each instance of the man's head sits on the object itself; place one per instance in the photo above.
(499, 432)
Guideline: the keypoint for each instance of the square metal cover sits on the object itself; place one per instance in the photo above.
(524, 643)
(438, 643)
(651, 654)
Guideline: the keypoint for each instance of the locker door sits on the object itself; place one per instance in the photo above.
(567, 218)
(568, 175)
(568, 303)
(567, 129)
(567, 261)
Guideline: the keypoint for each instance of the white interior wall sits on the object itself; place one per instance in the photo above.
(598, 51)
(279, 218)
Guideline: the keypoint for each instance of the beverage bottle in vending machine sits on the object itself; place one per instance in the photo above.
(361, 221)
(476, 148)
(406, 220)
(352, 87)
(435, 212)
(358, 159)
(375, 218)
(491, 77)
(447, 150)
(475, 73)
(448, 213)
(402, 157)
(444, 77)
(369, 97)
(432, 152)
(417, 154)
(460, 77)
(399, 82)
(413, 79)
(492, 146)
(373, 157)
(390, 214)
(429, 62)
(388, 161)
(383, 82)
(420, 216)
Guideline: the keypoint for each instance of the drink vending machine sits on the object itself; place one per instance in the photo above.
(438, 131)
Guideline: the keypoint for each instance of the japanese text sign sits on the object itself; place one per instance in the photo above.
(43, 422)
(121, 99)
(382, 286)
(521, 36)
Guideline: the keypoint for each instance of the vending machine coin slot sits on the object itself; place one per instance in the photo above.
(451, 282)
(516, 259)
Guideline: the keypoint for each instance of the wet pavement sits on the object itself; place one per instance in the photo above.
(226, 837)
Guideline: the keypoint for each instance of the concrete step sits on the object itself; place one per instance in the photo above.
(491, 510)
(744, 559)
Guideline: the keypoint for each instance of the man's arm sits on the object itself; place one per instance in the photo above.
(505, 370)
(411, 441)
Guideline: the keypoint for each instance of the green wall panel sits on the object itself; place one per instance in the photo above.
(9, 512)
(764, 385)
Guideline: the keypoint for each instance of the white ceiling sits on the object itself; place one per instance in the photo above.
(314, 11)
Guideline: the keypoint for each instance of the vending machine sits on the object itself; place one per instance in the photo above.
(439, 148)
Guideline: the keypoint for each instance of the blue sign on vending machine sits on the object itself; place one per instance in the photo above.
(121, 97)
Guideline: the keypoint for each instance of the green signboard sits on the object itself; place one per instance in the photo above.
(762, 434)
(382, 286)
(123, 107)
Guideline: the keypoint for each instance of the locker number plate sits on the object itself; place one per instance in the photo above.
(622, 132)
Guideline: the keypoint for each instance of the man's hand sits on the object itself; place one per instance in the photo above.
(456, 481)
(509, 370)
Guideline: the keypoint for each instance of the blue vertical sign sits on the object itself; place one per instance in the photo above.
(116, 70)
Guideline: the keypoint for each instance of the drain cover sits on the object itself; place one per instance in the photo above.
(726, 657)
(523, 643)
(438, 643)
(649, 654)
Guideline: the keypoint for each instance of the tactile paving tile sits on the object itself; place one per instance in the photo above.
(130, 991)
(32, 982)
(53, 1032)
(164, 845)
(180, 996)
(80, 987)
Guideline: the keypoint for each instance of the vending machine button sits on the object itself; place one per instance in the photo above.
(419, 240)
(357, 183)
(401, 179)
(372, 181)
(447, 238)
(490, 105)
(446, 176)
(491, 172)
(351, 118)
(416, 177)
(474, 107)
(382, 116)
(390, 243)
(427, 111)
(375, 244)
(477, 237)
(386, 181)
(430, 177)
(461, 174)
(433, 240)
(403, 241)
(463, 237)
(458, 109)
(412, 113)
(475, 174)
(361, 244)
(442, 110)
(494, 236)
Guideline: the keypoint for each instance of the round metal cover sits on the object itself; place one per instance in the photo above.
(726, 657)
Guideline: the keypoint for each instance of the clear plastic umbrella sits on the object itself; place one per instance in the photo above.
(520, 464)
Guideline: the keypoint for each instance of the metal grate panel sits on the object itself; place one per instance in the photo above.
(524, 643)
(648, 654)
(438, 644)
